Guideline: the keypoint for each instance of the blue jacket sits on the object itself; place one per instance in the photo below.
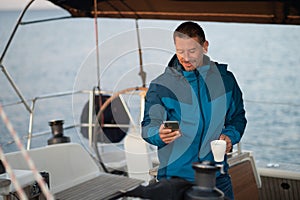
(206, 102)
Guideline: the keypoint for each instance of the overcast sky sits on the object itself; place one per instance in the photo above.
(20, 4)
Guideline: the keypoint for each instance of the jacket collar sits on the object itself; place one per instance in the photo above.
(214, 67)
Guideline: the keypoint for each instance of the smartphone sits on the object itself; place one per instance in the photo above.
(174, 125)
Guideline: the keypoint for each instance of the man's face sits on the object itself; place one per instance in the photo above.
(189, 52)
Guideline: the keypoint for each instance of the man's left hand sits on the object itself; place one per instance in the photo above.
(228, 142)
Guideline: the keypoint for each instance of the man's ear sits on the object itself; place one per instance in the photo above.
(205, 46)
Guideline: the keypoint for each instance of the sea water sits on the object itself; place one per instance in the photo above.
(59, 56)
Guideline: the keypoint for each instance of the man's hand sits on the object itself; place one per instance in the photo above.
(228, 142)
(166, 134)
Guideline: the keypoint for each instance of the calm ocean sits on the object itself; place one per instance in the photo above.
(59, 56)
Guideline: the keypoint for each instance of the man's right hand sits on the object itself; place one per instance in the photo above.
(166, 134)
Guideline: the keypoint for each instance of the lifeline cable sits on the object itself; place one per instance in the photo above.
(26, 156)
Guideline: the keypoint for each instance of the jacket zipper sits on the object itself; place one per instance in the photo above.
(201, 109)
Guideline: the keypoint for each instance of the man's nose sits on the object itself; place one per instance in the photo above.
(186, 56)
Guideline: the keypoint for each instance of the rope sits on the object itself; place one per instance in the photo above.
(26, 156)
(97, 43)
(12, 176)
(142, 73)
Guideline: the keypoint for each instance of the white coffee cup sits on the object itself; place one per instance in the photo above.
(218, 148)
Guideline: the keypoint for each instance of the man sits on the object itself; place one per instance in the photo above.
(206, 101)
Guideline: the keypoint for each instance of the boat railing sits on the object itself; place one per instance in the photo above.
(34, 101)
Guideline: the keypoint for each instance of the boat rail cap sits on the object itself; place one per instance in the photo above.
(279, 173)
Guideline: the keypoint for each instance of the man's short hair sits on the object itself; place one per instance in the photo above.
(190, 29)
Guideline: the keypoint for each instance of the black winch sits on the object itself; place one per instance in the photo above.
(57, 132)
(205, 179)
